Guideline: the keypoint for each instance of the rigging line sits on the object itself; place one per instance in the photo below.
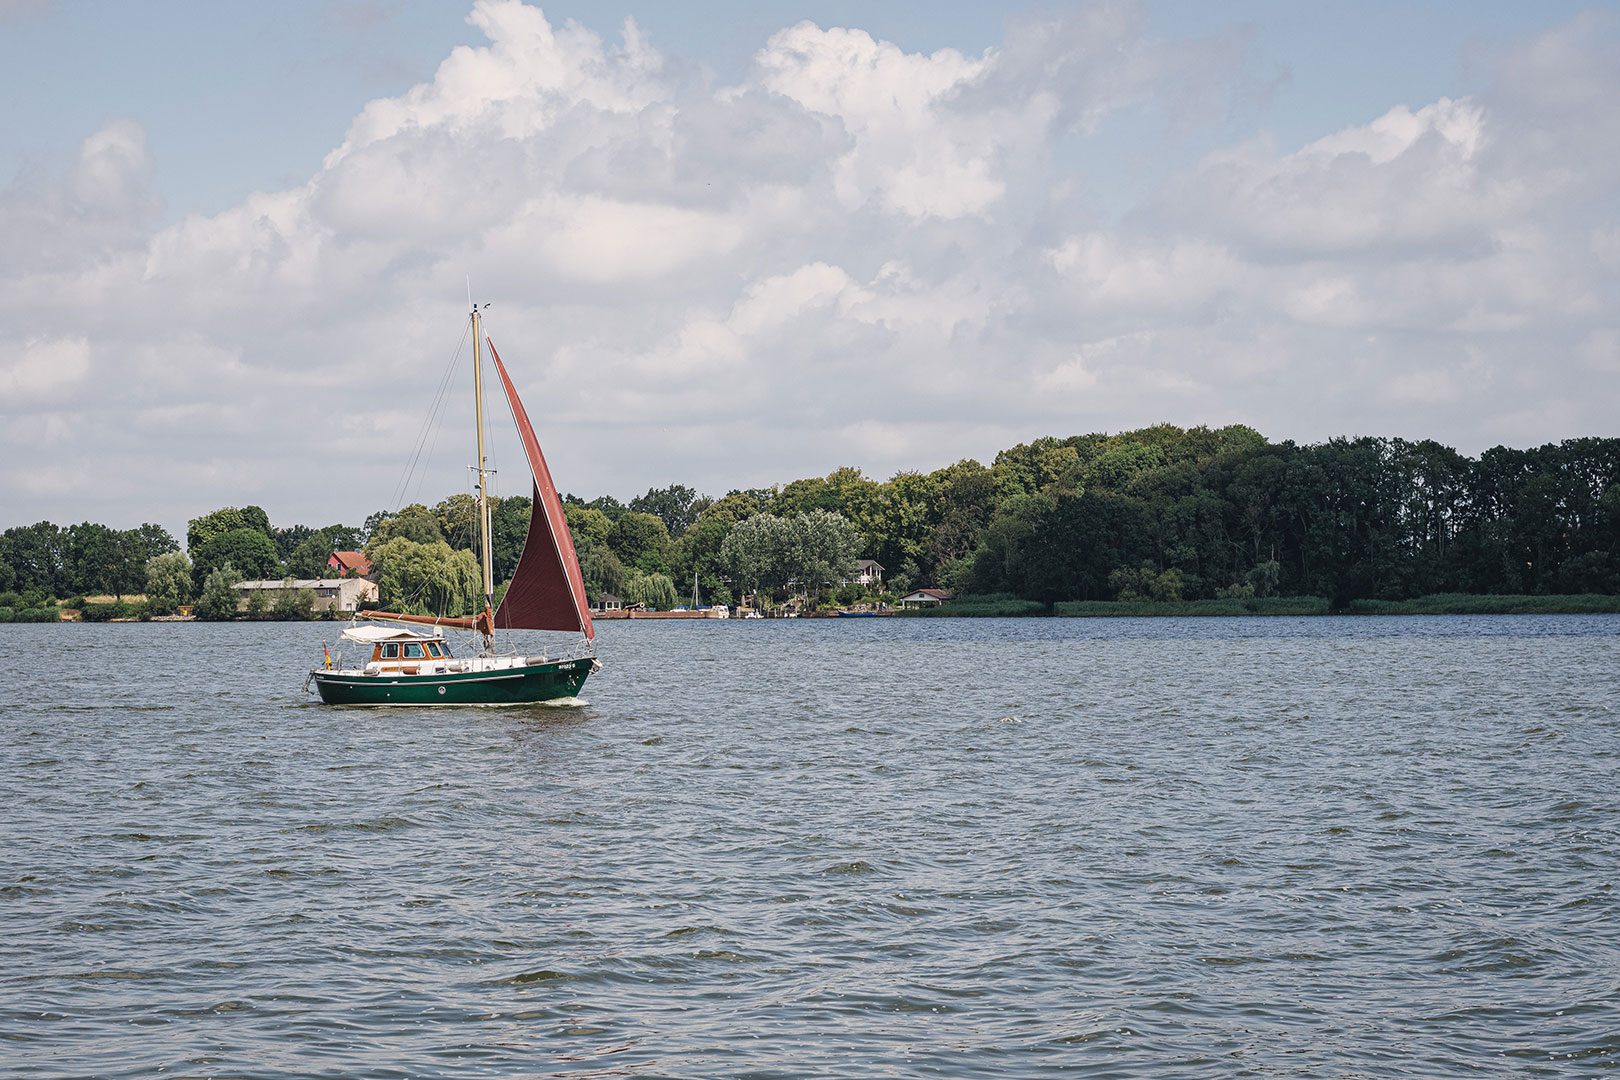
(434, 410)
(437, 427)
(433, 424)
(403, 486)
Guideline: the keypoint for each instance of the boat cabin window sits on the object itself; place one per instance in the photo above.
(413, 651)
(436, 650)
(390, 651)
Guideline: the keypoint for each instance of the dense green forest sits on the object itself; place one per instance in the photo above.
(1158, 515)
(1166, 514)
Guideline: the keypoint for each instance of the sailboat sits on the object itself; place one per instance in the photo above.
(410, 661)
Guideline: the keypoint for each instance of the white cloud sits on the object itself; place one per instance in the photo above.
(1605, 243)
(1407, 179)
(601, 240)
(1069, 377)
(1600, 350)
(856, 255)
(1422, 387)
(517, 87)
(1105, 271)
(43, 369)
(906, 151)
(115, 171)
(718, 347)
(99, 209)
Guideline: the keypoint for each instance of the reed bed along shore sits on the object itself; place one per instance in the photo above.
(1438, 604)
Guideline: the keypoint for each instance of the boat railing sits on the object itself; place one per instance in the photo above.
(582, 649)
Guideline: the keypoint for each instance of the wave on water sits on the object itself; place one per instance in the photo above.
(90, 706)
(998, 849)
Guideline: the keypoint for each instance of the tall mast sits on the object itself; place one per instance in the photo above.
(483, 472)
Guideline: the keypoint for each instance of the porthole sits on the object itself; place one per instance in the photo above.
(441, 689)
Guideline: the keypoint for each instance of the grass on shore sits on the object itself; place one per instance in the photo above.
(1466, 604)
(1005, 605)
(995, 605)
(1270, 605)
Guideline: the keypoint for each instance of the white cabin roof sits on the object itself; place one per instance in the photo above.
(370, 635)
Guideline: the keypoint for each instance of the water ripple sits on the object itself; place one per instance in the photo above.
(853, 848)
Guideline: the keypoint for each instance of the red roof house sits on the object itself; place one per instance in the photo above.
(349, 563)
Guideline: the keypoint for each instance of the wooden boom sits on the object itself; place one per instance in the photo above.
(483, 622)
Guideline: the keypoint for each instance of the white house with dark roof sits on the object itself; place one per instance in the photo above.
(868, 572)
(924, 598)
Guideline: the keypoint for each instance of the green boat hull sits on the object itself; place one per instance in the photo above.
(506, 686)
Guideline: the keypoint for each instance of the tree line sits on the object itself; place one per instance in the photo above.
(1160, 513)
(1166, 513)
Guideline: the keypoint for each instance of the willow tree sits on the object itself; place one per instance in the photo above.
(426, 579)
(168, 581)
(656, 591)
(219, 595)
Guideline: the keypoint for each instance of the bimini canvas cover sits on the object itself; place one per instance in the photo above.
(370, 635)
(547, 590)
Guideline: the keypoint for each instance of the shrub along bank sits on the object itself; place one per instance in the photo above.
(1005, 605)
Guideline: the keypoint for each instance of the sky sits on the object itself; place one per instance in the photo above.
(730, 244)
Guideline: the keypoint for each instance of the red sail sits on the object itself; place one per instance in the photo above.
(547, 590)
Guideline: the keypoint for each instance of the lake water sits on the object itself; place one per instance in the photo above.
(844, 848)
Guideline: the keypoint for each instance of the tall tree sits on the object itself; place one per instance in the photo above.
(697, 550)
(962, 502)
(587, 523)
(758, 552)
(248, 552)
(38, 558)
(153, 540)
(676, 505)
(426, 579)
(610, 506)
(457, 517)
(656, 591)
(640, 540)
(102, 559)
(168, 581)
(823, 549)
(219, 597)
(601, 569)
(415, 523)
(200, 530)
(509, 530)
(287, 540)
(309, 559)
(344, 537)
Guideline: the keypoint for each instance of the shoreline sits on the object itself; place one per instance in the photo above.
(1439, 604)
(1000, 607)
